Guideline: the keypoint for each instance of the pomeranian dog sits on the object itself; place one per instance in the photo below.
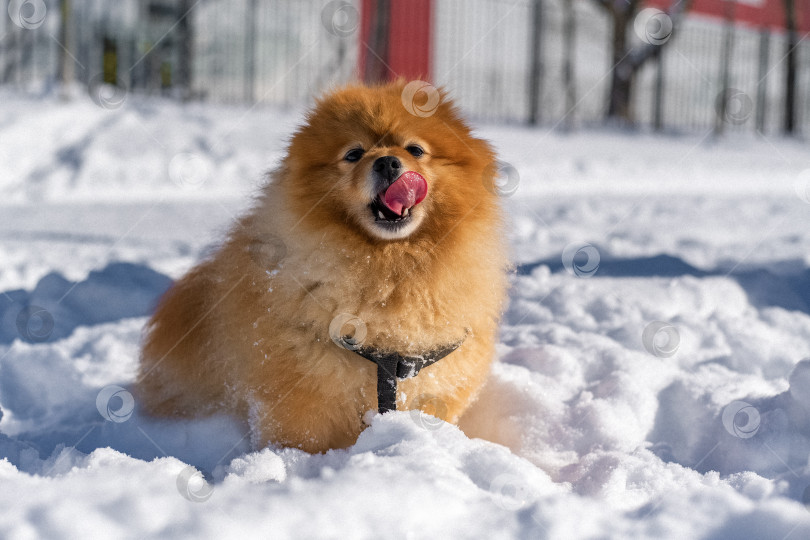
(370, 275)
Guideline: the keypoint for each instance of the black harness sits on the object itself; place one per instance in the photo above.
(392, 366)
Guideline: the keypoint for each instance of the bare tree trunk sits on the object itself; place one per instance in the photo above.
(627, 58)
(11, 54)
(376, 69)
(790, 74)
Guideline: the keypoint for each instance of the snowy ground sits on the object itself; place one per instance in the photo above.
(588, 428)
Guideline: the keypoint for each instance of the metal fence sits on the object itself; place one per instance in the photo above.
(693, 73)
(240, 50)
(276, 52)
(283, 52)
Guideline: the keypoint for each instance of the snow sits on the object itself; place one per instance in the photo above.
(651, 380)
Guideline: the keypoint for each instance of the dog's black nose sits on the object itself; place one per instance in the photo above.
(388, 167)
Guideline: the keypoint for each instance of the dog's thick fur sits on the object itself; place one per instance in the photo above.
(247, 331)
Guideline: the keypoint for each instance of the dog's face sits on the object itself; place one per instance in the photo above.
(364, 162)
(385, 182)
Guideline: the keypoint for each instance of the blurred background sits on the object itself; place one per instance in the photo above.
(671, 65)
(655, 176)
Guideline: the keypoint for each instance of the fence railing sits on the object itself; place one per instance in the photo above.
(283, 52)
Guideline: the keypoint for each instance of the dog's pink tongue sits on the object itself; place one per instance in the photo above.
(408, 191)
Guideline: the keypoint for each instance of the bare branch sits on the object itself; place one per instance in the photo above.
(676, 13)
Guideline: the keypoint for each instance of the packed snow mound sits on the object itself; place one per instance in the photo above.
(57, 306)
(654, 360)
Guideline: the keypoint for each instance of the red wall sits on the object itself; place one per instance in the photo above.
(753, 12)
(409, 42)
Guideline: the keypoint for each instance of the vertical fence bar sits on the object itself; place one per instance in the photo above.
(185, 44)
(250, 52)
(803, 105)
(725, 68)
(790, 70)
(658, 96)
(762, 75)
(536, 62)
(569, 71)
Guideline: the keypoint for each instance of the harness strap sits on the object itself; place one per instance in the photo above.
(392, 366)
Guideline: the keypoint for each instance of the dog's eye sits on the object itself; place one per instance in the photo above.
(415, 150)
(354, 155)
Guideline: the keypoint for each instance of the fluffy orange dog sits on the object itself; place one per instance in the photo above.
(379, 237)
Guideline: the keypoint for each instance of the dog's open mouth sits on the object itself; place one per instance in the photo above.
(383, 213)
(394, 204)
